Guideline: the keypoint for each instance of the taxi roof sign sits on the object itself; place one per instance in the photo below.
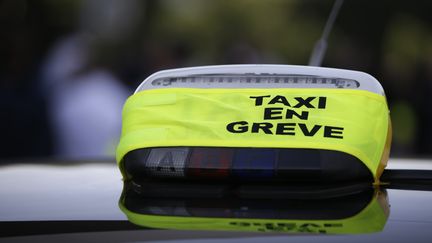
(310, 123)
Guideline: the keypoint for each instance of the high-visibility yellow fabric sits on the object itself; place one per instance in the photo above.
(371, 219)
(352, 121)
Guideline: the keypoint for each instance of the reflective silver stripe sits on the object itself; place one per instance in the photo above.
(252, 81)
(261, 76)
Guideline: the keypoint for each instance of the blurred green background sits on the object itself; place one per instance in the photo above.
(128, 40)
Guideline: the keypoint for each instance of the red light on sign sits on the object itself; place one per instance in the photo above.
(210, 162)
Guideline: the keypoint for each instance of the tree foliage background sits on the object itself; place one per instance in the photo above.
(392, 40)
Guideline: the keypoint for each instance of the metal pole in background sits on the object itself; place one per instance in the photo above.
(321, 45)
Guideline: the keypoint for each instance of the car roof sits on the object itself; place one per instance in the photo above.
(72, 195)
